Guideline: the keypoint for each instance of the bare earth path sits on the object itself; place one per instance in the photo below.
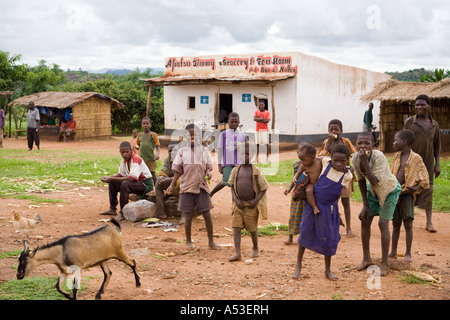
(170, 272)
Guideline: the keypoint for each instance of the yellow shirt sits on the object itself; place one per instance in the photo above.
(415, 171)
(387, 182)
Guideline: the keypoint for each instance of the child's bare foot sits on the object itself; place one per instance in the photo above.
(350, 233)
(331, 276)
(289, 239)
(408, 258)
(214, 246)
(384, 269)
(392, 255)
(364, 264)
(190, 245)
(297, 271)
(255, 253)
(236, 257)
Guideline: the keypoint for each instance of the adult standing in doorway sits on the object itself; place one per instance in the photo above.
(33, 121)
(262, 118)
(427, 144)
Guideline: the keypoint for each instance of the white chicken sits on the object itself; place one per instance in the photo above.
(25, 225)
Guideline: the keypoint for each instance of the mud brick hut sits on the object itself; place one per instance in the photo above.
(397, 103)
(91, 111)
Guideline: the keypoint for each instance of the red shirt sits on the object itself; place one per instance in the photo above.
(71, 124)
(260, 126)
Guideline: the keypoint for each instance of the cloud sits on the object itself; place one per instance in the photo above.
(95, 34)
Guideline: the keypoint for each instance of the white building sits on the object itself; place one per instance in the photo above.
(303, 93)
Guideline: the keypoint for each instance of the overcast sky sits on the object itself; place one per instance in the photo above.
(380, 35)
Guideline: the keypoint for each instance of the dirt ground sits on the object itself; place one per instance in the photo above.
(169, 271)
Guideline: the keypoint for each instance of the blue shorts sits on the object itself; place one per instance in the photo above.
(387, 210)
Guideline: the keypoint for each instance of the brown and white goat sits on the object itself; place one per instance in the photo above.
(72, 254)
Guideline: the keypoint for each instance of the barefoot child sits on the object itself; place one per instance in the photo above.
(134, 138)
(379, 196)
(334, 138)
(248, 190)
(193, 164)
(320, 232)
(148, 142)
(412, 175)
(227, 151)
(296, 210)
(312, 166)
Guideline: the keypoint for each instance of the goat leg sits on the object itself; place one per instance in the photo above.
(61, 278)
(136, 276)
(106, 276)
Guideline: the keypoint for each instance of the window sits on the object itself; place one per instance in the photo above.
(191, 103)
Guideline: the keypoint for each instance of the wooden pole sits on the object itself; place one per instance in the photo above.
(149, 102)
(273, 106)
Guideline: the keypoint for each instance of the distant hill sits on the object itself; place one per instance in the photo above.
(121, 72)
(411, 75)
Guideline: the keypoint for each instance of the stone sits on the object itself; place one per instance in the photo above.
(139, 210)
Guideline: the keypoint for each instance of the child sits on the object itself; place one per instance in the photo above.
(193, 164)
(320, 232)
(334, 138)
(227, 150)
(164, 180)
(248, 190)
(134, 138)
(296, 211)
(133, 177)
(312, 166)
(379, 196)
(412, 175)
(148, 142)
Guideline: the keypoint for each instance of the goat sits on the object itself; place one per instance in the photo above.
(74, 253)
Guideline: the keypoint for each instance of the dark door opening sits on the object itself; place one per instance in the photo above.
(226, 107)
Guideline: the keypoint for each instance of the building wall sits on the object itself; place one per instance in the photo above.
(320, 91)
(329, 91)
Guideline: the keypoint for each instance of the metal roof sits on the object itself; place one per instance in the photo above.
(194, 79)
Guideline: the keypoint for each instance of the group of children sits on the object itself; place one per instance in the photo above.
(320, 179)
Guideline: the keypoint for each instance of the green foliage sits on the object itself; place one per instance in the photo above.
(11, 72)
(410, 75)
(439, 74)
(420, 75)
(128, 88)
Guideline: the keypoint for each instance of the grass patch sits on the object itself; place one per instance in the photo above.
(34, 288)
(411, 279)
(11, 254)
(25, 173)
(268, 229)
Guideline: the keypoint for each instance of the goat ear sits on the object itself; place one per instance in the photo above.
(26, 245)
(33, 252)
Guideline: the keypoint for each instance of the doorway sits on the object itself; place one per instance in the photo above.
(226, 106)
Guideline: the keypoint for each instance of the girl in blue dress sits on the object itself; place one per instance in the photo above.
(320, 232)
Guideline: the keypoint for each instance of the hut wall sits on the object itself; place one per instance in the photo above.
(393, 115)
(93, 117)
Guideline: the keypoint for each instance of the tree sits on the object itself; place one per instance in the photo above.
(439, 74)
(12, 74)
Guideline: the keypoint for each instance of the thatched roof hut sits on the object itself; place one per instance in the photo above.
(397, 100)
(91, 110)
